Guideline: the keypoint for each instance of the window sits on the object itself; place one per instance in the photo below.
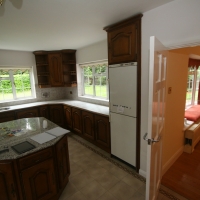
(15, 84)
(94, 80)
(192, 86)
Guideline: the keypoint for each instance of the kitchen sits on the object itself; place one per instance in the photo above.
(151, 25)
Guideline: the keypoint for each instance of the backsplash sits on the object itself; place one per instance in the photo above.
(55, 93)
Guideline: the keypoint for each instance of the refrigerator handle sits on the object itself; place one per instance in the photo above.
(109, 117)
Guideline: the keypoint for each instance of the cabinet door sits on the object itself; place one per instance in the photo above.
(63, 162)
(76, 120)
(68, 116)
(102, 132)
(56, 114)
(44, 111)
(39, 181)
(88, 124)
(27, 113)
(7, 116)
(55, 68)
(122, 44)
(8, 189)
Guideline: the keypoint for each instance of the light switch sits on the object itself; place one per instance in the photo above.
(169, 90)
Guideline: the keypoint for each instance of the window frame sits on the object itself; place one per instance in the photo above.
(11, 78)
(93, 64)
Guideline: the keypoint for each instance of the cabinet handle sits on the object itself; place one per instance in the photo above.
(13, 190)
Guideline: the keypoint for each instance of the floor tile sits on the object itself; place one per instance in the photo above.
(107, 196)
(106, 164)
(137, 196)
(77, 196)
(68, 191)
(132, 181)
(107, 180)
(81, 179)
(122, 191)
(74, 169)
(95, 170)
(116, 171)
(93, 191)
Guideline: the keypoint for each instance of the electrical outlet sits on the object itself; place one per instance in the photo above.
(45, 94)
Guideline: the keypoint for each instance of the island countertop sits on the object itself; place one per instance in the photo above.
(23, 129)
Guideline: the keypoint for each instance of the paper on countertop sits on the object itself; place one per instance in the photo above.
(58, 131)
(42, 138)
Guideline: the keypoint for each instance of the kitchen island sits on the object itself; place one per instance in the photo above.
(38, 173)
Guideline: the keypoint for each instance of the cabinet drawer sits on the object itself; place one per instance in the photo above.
(35, 158)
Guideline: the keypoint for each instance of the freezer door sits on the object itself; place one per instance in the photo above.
(123, 137)
(123, 90)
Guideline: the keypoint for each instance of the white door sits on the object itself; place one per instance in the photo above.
(156, 116)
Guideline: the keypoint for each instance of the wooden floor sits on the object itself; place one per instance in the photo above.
(184, 175)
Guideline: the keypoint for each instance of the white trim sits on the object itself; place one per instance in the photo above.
(93, 62)
(171, 161)
(142, 173)
(183, 45)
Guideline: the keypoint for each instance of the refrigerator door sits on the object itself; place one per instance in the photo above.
(123, 137)
(123, 89)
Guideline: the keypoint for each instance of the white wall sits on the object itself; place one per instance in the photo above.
(18, 58)
(95, 52)
(174, 24)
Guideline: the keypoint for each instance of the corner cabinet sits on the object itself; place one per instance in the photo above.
(56, 68)
(124, 41)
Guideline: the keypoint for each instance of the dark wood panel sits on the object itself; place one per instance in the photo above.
(7, 184)
(77, 120)
(63, 162)
(27, 113)
(88, 125)
(7, 116)
(39, 181)
(56, 114)
(44, 112)
(68, 116)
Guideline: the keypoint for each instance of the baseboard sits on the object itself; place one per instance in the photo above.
(142, 173)
(171, 161)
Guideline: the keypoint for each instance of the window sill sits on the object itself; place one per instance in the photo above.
(17, 101)
(104, 102)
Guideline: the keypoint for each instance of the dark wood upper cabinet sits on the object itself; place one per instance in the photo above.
(88, 124)
(77, 120)
(27, 113)
(55, 69)
(7, 182)
(68, 116)
(124, 41)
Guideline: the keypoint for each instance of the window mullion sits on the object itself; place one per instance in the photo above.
(93, 76)
(13, 84)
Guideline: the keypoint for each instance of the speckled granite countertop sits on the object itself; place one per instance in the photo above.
(79, 104)
(25, 128)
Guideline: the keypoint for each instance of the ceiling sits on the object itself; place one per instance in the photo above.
(30, 25)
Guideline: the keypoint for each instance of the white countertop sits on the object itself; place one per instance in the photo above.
(104, 110)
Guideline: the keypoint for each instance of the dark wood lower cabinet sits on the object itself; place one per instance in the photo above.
(77, 120)
(102, 132)
(88, 125)
(62, 157)
(68, 116)
(27, 113)
(39, 181)
(44, 112)
(8, 187)
(56, 114)
(7, 116)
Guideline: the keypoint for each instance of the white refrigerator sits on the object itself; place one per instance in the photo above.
(123, 115)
